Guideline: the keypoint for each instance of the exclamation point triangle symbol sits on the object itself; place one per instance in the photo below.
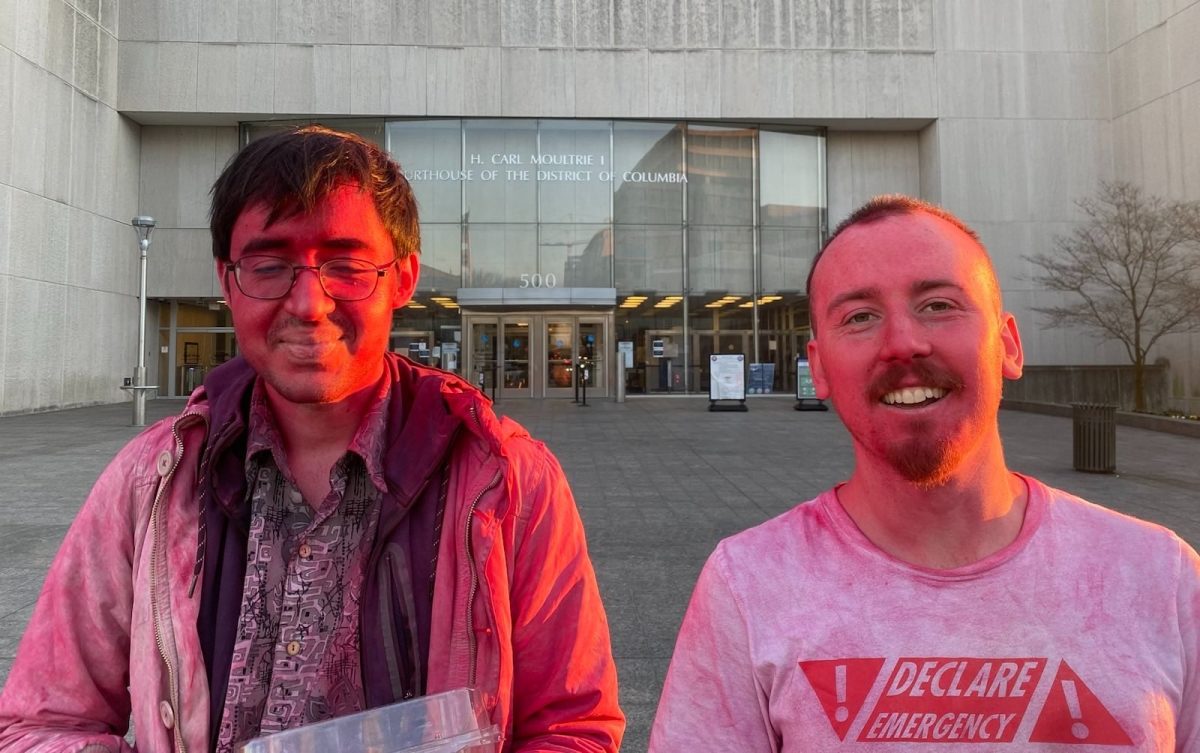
(1075, 716)
(841, 686)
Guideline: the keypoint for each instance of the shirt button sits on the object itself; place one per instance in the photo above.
(305, 551)
(293, 648)
(166, 714)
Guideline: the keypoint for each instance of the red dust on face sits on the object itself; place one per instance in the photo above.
(911, 347)
(308, 347)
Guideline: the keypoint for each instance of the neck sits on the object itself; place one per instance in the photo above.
(310, 429)
(974, 513)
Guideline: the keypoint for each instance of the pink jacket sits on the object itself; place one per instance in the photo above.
(516, 613)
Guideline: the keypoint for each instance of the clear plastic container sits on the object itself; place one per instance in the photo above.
(451, 722)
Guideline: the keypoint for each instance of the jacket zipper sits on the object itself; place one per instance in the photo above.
(472, 648)
(472, 643)
(155, 556)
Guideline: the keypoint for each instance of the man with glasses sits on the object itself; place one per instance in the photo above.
(327, 527)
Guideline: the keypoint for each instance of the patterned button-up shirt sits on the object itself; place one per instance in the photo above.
(296, 651)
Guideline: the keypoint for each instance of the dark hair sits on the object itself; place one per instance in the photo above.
(887, 205)
(293, 171)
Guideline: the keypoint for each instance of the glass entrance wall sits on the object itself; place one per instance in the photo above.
(194, 338)
(680, 218)
(539, 353)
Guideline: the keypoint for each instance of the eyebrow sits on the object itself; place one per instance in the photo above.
(869, 292)
(278, 244)
(858, 294)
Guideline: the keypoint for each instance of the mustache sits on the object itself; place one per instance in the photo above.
(897, 375)
(293, 326)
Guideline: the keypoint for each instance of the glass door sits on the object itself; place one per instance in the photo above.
(516, 350)
(560, 356)
(528, 354)
(482, 344)
(593, 345)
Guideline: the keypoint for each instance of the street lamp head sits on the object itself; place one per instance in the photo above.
(143, 226)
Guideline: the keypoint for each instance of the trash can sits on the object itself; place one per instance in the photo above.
(1094, 427)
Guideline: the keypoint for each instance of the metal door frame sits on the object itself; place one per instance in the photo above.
(538, 372)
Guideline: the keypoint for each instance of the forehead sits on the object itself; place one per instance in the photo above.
(344, 219)
(344, 206)
(894, 252)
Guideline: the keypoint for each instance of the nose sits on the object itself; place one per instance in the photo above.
(903, 339)
(307, 300)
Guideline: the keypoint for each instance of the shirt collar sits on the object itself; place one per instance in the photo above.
(368, 442)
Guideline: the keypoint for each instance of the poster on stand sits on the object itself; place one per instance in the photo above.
(805, 389)
(625, 348)
(727, 377)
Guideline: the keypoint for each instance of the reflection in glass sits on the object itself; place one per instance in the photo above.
(371, 129)
(791, 179)
(441, 257)
(430, 153)
(643, 152)
(591, 347)
(573, 156)
(648, 258)
(721, 258)
(559, 364)
(507, 147)
(483, 355)
(720, 175)
(516, 355)
(495, 256)
(785, 255)
(575, 256)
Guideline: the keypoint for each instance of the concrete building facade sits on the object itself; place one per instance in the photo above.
(1004, 112)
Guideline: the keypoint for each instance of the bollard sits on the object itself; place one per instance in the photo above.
(620, 377)
(585, 381)
(1094, 430)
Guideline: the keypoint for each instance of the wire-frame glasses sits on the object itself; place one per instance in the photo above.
(269, 277)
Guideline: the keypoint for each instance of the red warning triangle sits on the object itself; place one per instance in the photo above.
(1075, 716)
(842, 686)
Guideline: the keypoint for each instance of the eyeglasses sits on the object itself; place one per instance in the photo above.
(269, 277)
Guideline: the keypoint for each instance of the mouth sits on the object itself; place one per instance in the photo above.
(913, 396)
(309, 349)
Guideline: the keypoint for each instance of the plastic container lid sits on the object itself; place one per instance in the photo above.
(449, 722)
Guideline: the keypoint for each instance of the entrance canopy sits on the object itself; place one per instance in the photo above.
(537, 296)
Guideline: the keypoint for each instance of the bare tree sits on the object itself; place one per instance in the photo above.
(1132, 272)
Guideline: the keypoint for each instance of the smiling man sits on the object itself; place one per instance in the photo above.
(935, 596)
(327, 527)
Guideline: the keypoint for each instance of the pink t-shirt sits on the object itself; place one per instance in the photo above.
(803, 636)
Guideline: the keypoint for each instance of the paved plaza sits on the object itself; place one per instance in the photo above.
(658, 481)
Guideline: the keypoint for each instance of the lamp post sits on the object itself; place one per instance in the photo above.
(143, 226)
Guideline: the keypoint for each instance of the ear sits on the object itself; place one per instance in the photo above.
(407, 271)
(818, 371)
(222, 271)
(1010, 339)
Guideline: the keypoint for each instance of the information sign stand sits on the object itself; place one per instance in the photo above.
(727, 382)
(806, 391)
